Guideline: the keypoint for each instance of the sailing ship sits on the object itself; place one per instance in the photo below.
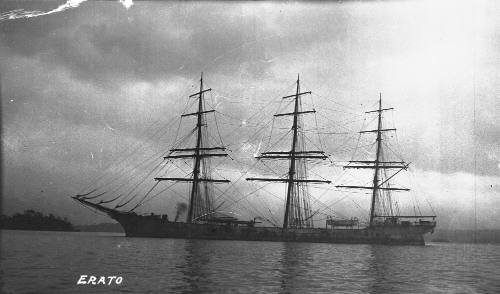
(205, 220)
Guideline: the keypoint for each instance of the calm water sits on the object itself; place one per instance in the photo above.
(52, 262)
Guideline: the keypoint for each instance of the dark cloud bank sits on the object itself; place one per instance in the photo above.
(86, 81)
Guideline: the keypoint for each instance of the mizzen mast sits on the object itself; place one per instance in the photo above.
(199, 207)
(297, 208)
(378, 165)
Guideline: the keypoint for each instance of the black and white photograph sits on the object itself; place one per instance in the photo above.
(250, 146)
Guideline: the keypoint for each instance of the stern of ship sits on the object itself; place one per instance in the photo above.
(403, 233)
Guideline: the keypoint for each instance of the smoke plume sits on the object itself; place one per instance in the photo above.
(181, 209)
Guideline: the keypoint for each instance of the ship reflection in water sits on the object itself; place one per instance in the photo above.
(51, 262)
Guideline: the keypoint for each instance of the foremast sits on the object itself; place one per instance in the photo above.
(200, 201)
(298, 212)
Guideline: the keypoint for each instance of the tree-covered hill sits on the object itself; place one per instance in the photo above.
(33, 220)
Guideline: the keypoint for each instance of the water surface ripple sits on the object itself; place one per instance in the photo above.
(52, 262)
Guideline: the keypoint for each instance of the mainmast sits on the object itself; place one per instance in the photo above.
(291, 171)
(199, 207)
(378, 165)
(377, 160)
(196, 168)
(293, 209)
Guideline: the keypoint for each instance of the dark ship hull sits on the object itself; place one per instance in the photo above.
(154, 226)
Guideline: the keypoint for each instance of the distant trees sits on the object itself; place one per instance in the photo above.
(34, 220)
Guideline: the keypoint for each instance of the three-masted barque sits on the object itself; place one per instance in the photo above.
(204, 220)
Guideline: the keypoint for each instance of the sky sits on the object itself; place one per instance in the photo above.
(82, 83)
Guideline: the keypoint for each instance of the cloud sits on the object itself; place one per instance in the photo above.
(135, 47)
(102, 74)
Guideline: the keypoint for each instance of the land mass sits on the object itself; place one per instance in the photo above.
(35, 221)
